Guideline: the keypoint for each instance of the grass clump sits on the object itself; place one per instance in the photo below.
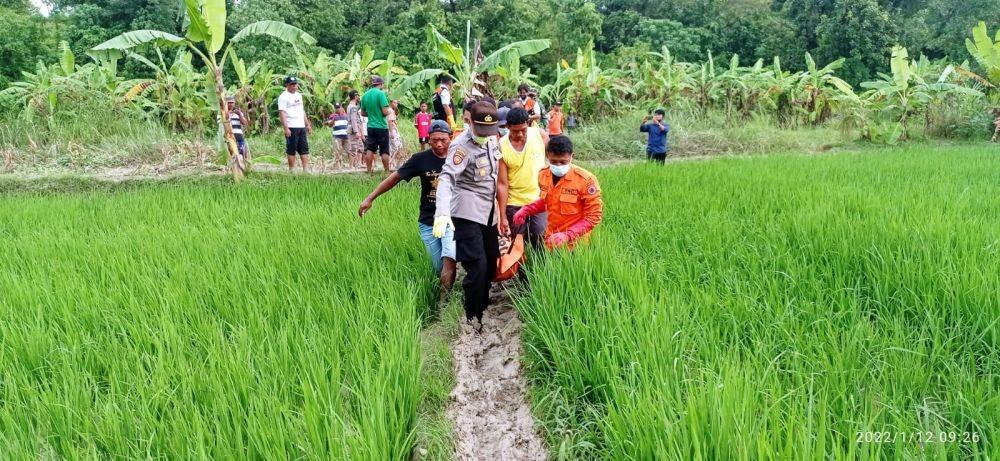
(777, 308)
(203, 320)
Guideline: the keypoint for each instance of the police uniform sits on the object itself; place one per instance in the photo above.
(467, 194)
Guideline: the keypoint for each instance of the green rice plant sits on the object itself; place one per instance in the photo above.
(778, 307)
(198, 320)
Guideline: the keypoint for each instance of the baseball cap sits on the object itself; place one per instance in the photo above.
(502, 116)
(439, 126)
(290, 80)
(484, 119)
(377, 80)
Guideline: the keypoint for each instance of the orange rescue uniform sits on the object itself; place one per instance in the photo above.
(574, 204)
(555, 123)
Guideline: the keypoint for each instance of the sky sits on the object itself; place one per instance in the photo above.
(41, 6)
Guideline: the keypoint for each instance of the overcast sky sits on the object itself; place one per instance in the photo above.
(41, 6)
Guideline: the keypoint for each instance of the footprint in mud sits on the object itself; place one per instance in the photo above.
(489, 406)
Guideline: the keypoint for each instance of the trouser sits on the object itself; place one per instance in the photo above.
(477, 248)
(657, 157)
(534, 226)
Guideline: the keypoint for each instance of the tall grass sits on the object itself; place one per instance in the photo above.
(777, 308)
(91, 136)
(698, 133)
(203, 320)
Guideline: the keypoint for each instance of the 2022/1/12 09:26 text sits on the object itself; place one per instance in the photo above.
(921, 437)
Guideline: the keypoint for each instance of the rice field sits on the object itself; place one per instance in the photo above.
(202, 320)
(781, 307)
(834, 307)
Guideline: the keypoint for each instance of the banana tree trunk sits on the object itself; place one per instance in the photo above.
(903, 123)
(235, 163)
(996, 123)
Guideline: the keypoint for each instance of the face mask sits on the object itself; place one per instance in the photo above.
(481, 140)
(504, 131)
(559, 170)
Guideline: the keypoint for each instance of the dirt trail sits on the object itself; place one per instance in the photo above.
(489, 405)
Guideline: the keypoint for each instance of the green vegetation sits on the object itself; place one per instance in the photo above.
(919, 72)
(775, 308)
(741, 308)
(198, 320)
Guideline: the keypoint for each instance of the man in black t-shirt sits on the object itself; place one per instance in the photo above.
(427, 166)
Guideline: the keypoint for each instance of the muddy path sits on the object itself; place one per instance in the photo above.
(489, 405)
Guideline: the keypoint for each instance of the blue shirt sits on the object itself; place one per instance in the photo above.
(657, 137)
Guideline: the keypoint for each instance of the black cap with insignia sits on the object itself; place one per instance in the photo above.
(485, 121)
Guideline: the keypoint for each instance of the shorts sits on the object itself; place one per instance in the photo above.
(297, 143)
(438, 248)
(378, 141)
(355, 146)
(340, 143)
(424, 140)
(241, 146)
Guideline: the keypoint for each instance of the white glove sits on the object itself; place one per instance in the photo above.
(441, 225)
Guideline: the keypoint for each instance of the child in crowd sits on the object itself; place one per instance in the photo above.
(422, 122)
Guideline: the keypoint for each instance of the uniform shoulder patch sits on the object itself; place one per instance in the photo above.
(459, 156)
(592, 188)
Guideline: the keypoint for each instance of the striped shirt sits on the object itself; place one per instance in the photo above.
(339, 125)
(234, 120)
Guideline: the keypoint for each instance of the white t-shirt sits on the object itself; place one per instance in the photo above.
(445, 96)
(295, 112)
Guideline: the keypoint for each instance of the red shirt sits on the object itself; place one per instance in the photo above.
(423, 124)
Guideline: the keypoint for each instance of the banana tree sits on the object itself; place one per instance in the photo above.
(471, 73)
(585, 79)
(987, 53)
(781, 94)
(906, 92)
(355, 70)
(900, 90)
(557, 90)
(405, 87)
(205, 37)
(664, 81)
(178, 92)
(704, 83)
(255, 85)
(39, 92)
(819, 85)
(323, 85)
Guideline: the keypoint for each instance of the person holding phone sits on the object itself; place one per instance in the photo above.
(656, 145)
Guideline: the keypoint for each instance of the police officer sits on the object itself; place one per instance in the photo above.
(466, 201)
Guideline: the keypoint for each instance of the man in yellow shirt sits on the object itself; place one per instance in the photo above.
(523, 157)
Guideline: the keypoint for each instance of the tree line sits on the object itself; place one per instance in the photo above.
(862, 31)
